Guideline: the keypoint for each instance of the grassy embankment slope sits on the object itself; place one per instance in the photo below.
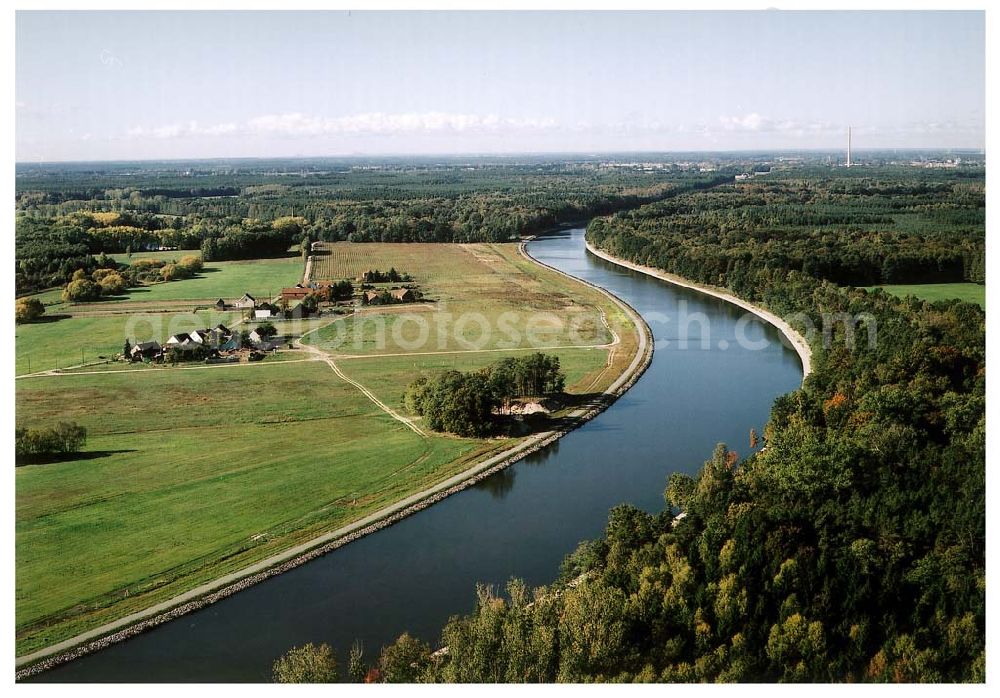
(191, 473)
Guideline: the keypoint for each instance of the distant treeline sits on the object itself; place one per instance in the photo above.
(903, 232)
(59, 230)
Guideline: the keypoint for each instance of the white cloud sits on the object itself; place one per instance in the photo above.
(756, 123)
(379, 123)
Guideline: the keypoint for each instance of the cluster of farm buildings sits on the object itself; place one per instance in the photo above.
(217, 344)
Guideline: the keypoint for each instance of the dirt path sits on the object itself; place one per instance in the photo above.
(308, 271)
(57, 372)
(323, 356)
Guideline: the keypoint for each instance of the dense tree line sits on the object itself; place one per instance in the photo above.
(467, 403)
(906, 231)
(67, 215)
(245, 244)
(852, 548)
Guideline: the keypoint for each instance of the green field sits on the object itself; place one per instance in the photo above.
(193, 472)
(482, 297)
(70, 341)
(261, 278)
(971, 293)
(166, 256)
(388, 377)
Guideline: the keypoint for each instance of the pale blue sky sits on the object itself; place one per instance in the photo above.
(119, 85)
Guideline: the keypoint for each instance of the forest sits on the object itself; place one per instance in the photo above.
(902, 228)
(65, 216)
(852, 547)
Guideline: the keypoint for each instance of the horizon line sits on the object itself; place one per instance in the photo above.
(511, 154)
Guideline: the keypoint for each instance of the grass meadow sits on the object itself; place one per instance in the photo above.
(193, 472)
(190, 474)
(70, 341)
(971, 293)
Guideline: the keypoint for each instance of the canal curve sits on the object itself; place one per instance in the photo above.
(714, 375)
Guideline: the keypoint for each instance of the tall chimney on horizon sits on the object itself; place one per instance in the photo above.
(848, 146)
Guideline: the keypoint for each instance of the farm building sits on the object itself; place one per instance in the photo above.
(261, 314)
(178, 339)
(267, 344)
(403, 295)
(247, 302)
(220, 304)
(145, 350)
(371, 296)
(295, 293)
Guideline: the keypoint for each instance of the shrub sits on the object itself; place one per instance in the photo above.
(28, 310)
(81, 290)
(112, 284)
(146, 264)
(175, 272)
(192, 262)
(64, 438)
(307, 664)
(101, 273)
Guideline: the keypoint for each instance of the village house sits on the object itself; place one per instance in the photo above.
(213, 337)
(264, 343)
(220, 304)
(177, 339)
(246, 302)
(145, 350)
(261, 314)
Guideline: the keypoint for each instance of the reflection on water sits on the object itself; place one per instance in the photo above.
(542, 455)
(499, 484)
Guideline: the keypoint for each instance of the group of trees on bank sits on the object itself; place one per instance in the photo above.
(37, 443)
(468, 404)
(310, 663)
